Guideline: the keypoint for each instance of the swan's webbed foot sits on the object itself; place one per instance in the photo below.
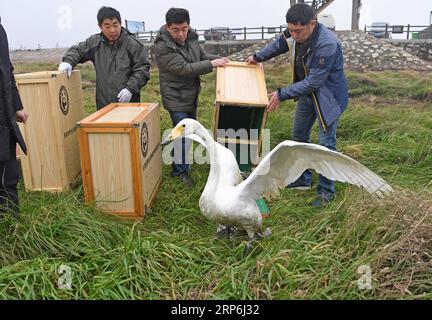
(248, 248)
(252, 237)
(267, 233)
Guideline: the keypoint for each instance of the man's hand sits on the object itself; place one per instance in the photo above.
(21, 116)
(250, 60)
(274, 102)
(124, 96)
(221, 62)
(65, 67)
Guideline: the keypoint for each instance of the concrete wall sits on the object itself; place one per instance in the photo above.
(222, 48)
(227, 48)
(361, 52)
(426, 33)
(421, 48)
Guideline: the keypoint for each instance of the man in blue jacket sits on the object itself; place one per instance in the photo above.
(319, 84)
(11, 111)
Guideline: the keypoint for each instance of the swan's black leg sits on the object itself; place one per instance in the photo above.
(252, 238)
(249, 246)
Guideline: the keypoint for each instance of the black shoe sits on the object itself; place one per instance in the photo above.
(184, 177)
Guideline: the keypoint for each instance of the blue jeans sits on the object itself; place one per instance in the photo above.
(304, 119)
(181, 146)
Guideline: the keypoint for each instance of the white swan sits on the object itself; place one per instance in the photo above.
(229, 200)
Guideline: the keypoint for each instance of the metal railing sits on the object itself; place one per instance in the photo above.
(263, 33)
(319, 5)
(224, 33)
(388, 30)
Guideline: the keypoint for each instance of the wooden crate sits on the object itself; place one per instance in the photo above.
(241, 98)
(121, 158)
(55, 104)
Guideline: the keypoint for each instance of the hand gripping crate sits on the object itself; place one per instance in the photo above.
(121, 158)
(240, 115)
(55, 104)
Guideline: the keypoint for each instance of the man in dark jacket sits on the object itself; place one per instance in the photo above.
(120, 60)
(319, 85)
(181, 60)
(11, 111)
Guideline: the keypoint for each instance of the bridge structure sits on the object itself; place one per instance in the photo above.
(318, 5)
(321, 5)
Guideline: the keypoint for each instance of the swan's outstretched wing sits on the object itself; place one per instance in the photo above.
(285, 163)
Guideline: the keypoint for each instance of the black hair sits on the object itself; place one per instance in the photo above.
(108, 13)
(177, 16)
(300, 13)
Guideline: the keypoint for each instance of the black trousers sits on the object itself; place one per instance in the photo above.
(9, 177)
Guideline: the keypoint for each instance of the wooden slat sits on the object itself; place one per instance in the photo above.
(121, 115)
(263, 88)
(108, 126)
(86, 169)
(93, 117)
(58, 153)
(68, 124)
(220, 84)
(151, 161)
(95, 129)
(237, 141)
(136, 172)
(108, 116)
(263, 126)
(18, 152)
(216, 120)
(241, 103)
(240, 64)
(149, 107)
(40, 75)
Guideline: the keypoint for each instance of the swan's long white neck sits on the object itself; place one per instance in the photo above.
(210, 144)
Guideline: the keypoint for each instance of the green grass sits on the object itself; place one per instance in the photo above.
(312, 254)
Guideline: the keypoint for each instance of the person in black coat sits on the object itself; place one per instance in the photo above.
(11, 111)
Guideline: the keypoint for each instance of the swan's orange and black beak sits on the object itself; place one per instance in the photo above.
(177, 132)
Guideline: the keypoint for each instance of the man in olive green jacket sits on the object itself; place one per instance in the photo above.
(120, 60)
(181, 60)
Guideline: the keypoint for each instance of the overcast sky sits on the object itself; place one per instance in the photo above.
(50, 23)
